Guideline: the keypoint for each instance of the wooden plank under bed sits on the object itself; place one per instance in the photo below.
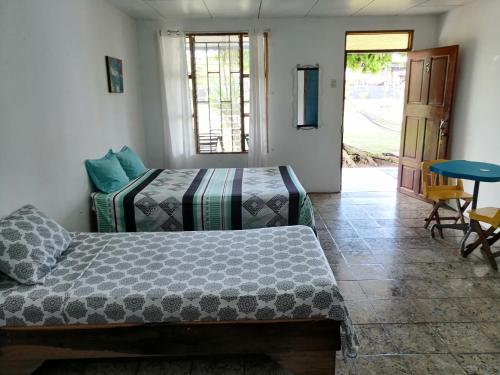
(304, 347)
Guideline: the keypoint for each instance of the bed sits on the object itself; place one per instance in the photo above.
(205, 199)
(265, 291)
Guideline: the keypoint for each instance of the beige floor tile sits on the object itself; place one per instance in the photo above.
(361, 312)
(351, 290)
(342, 233)
(373, 339)
(359, 257)
(481, 309)
(368, 271)
(429, 288)
(433, 364)
(383, 288)
(342, 272)
(412, 256)
(365, 224)
(383, 365)
(351, 244)
(479, 364)
(441, 310)
(492, 330)
(416, 338)
(395, 310)
(466, 338)
(335, 257)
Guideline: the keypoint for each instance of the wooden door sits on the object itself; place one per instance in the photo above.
(430, 86)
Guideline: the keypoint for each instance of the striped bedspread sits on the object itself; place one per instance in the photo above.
(205, 199)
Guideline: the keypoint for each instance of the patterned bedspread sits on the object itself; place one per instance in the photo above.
(205, 199)
(262, 274)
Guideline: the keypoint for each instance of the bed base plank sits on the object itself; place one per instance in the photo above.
(306, 363)
(301, 346)
(18, 367)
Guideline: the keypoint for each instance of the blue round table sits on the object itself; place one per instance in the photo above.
(467, 170)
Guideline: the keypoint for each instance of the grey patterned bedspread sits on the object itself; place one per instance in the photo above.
(205, 199)
(261, 274)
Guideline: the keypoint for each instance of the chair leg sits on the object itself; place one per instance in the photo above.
(432, 214)
(438, 222)
(485, 248)
(460, 213)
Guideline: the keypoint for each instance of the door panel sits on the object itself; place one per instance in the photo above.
(431, 140)
(437, 82)
(411, 136)
(430, 85)
(415, 73)
(407, 177)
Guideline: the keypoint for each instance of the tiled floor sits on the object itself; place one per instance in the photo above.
(419, 308)
(369, 179)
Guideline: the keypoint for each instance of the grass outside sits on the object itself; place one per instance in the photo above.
(362, 133)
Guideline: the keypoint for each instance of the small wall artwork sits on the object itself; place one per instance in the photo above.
(115, 74)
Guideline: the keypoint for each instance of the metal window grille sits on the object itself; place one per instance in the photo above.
(218, 67)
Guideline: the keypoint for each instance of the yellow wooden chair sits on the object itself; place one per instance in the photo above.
(440, 189)
(490, 216)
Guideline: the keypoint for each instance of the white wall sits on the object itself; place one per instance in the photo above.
(314, 154)
(476, 124)
(55, 109)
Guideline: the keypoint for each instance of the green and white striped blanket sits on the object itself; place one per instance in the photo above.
(205, 199)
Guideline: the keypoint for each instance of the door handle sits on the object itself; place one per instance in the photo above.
(443, 127)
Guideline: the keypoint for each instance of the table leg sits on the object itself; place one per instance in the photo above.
(475, 195)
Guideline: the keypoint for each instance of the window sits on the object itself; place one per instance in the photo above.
(219, 77)
(369, 41)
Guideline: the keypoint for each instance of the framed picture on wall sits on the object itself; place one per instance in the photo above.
(115, 74)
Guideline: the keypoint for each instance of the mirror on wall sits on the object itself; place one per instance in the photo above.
(307, 95)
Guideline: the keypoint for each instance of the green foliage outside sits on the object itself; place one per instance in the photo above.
(368, 62)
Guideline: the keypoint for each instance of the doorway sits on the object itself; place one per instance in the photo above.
(374, 90)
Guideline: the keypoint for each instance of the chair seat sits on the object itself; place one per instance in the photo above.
(488, 215)
(443, 195)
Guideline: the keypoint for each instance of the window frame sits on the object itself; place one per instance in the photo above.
(408, 48)
(192, 76)
(243, 75)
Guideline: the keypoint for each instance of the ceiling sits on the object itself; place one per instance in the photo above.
(168, 9)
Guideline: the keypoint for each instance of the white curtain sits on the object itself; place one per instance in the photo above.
(176, 100)
(257, 147)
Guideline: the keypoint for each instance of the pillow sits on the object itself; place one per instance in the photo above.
(107, 173)
(131, 163)
(30, 244)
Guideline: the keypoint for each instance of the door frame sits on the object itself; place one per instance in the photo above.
(411, 33)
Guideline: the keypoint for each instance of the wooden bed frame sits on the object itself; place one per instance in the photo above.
(304, 347)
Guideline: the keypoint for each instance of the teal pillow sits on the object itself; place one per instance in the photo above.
(131, 163)
(107, 173)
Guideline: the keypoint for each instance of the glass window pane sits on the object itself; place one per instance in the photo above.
(213, 57)
(246, 55)
(188, 55)
(246, 88)
(378, 41)
(247, 130)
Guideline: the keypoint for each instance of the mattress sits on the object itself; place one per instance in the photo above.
(103, 278)
(205, 199)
